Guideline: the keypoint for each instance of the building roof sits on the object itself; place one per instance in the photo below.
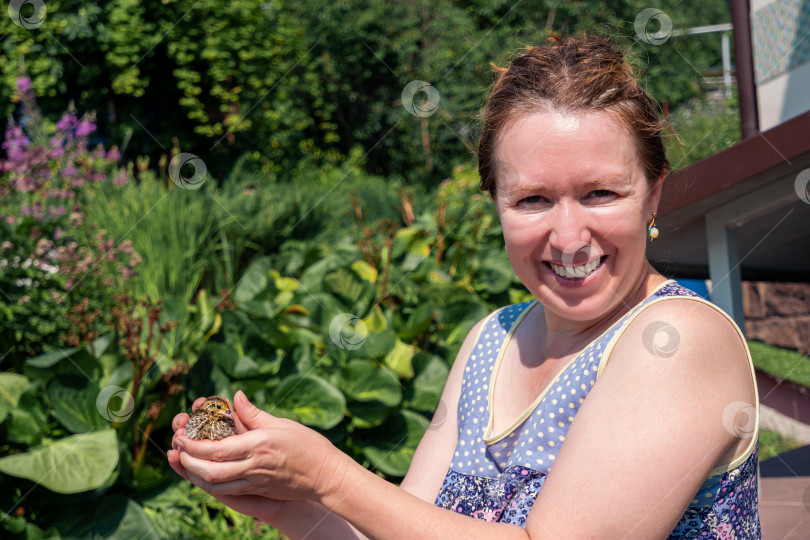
(752, 188)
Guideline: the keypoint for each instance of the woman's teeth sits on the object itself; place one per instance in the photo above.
(575, 272)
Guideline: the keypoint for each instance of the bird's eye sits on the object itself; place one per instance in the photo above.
(219, 406)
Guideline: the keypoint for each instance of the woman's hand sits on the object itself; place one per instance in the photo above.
(270, 458)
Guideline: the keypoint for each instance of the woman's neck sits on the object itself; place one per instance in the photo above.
(564, 335)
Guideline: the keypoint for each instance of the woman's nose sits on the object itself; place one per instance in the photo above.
(570, 232)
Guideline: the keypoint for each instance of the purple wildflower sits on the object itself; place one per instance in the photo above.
(85, 128)
(23, 84)
(66, 122)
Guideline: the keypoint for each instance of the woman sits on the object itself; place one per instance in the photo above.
(647, 445)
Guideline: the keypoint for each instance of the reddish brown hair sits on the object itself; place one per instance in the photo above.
(575, 74)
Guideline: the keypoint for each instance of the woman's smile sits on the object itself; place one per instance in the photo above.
(576, 272)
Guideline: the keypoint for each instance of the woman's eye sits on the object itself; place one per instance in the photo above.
(533, 199)
(601, 194)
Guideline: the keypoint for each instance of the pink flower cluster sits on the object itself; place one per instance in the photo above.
(43, 181)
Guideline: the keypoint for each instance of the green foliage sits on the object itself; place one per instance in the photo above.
(181, 510)
(783, 363)
(703, 128)
(83, 420)
(279, 82)
(70, 465)
(772, 444)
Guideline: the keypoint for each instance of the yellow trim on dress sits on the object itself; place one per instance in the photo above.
(491, 390)
(489, 438)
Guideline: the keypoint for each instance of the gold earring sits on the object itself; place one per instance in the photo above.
(652, 230)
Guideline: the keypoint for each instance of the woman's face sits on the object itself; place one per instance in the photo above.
(574, 204)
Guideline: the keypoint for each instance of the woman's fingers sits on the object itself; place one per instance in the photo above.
(197, 402)
(233, 448)
(215, 473)
(180, 421)
(174, 463)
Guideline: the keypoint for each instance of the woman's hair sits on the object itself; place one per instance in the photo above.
(575, 74)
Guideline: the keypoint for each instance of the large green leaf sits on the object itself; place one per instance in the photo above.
(367, 414)
(49, 359)
(253, 281)
(420, 320)
(70, 465)
(73, 399)
(365, 271)
(390, 447)
(400, 359)
(494, 275)
(246, 352)
(310, 400)
(242, 366)
(12, 385)
(363, 381)
(28, 418)
(428, 385)
(119, 517)
(355, 291)
(78, 361)
(379, 344)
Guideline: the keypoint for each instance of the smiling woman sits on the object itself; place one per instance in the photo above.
(617, 404)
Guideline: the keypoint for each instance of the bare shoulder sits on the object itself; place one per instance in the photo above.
(683, 333)
(689, 348)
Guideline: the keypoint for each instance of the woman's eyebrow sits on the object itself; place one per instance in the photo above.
(521, 188)
(601, 181)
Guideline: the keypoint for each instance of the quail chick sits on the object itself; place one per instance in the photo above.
(212, 420)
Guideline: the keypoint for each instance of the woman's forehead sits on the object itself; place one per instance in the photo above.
(567, 141)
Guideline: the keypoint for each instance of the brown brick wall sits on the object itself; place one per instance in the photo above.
(778, 314)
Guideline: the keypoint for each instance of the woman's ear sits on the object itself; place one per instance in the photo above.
(654, 196)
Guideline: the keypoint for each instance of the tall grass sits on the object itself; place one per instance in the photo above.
(202, 239)
(177, 232)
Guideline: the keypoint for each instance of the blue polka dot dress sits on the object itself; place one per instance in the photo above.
(497, 476)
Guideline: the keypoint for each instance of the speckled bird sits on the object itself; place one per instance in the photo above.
(212, 420)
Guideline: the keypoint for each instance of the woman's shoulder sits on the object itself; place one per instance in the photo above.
(680, 327)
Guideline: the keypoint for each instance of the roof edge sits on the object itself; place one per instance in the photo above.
(736, 163)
